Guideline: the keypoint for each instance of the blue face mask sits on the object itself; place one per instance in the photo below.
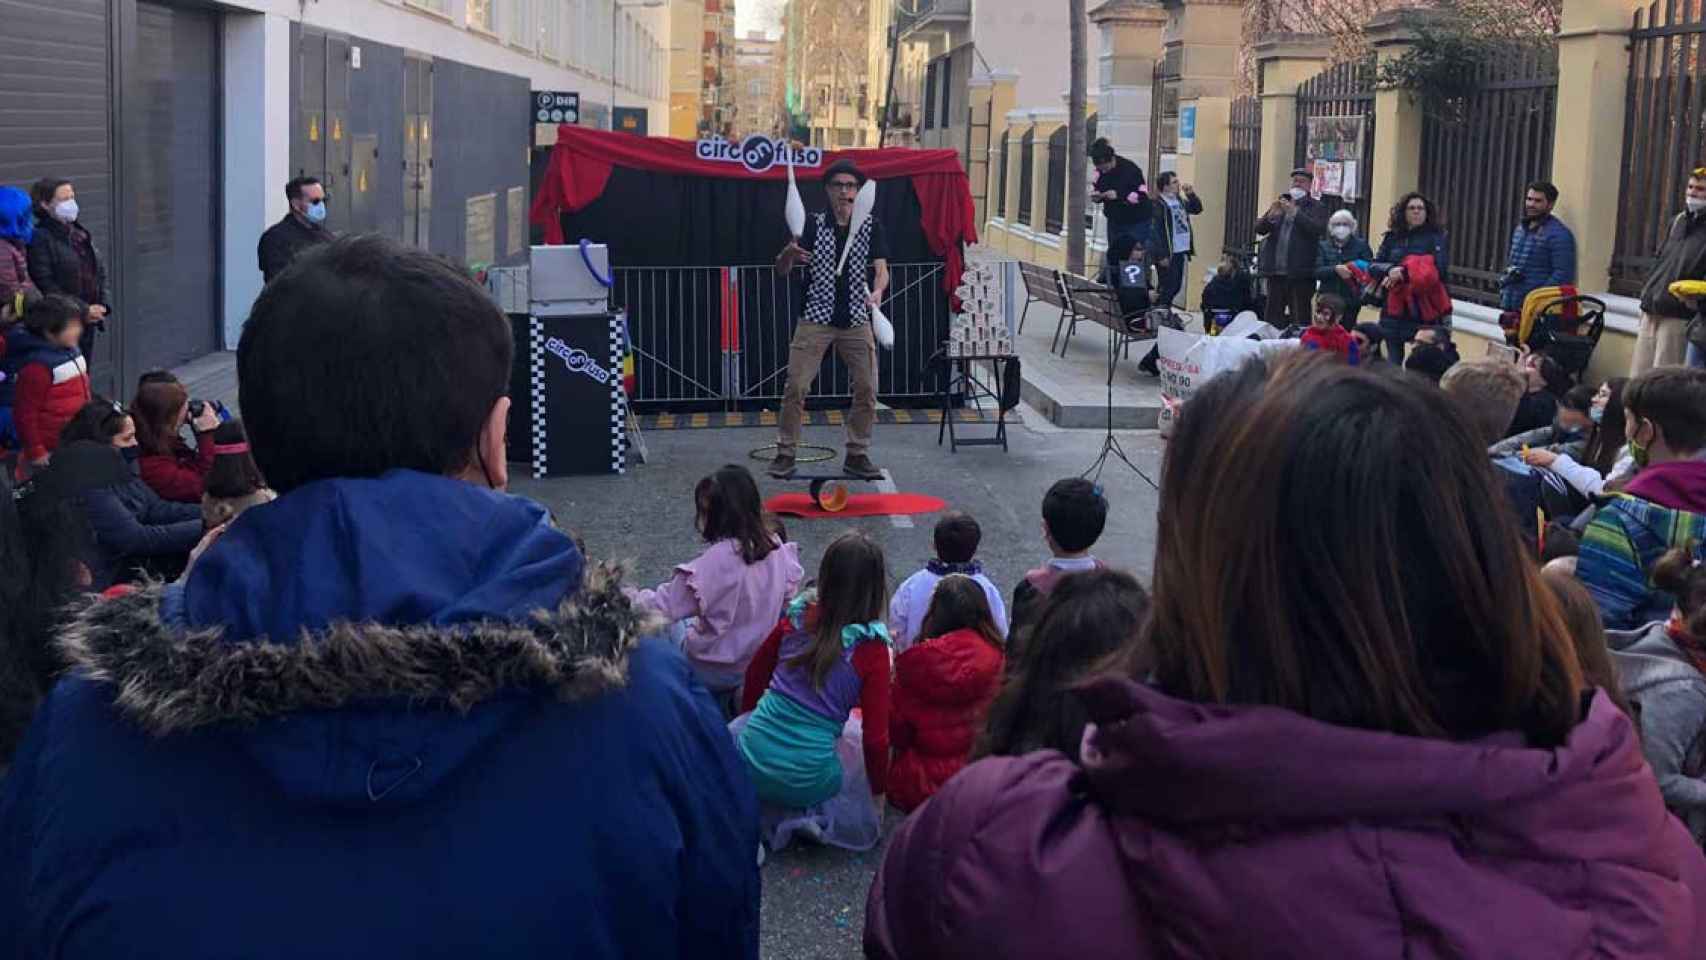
(1596, 414)
(317, 212)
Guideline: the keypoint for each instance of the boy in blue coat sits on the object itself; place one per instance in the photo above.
(391, 713)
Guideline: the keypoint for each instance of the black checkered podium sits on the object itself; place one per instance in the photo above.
(568, 413)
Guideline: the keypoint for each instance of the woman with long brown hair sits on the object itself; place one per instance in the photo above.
(725, 601)
(828, 656)
(170, 466)
(1344, 733)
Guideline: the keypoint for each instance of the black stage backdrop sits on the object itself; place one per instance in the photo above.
(651, 219)
(697, 353)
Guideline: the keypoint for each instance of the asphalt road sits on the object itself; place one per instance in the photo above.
(814, 897)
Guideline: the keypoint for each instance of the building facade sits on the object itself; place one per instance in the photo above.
(949, 48)
(686, 68)
(717, 58)
(179, 123)
(758, 106)
(831, 88)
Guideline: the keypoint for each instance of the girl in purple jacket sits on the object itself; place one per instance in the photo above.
(1342, 733)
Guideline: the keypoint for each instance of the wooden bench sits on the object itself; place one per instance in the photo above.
(1041, 286)
(1096, 303)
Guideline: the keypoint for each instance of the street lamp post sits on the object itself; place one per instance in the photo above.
(617, 7)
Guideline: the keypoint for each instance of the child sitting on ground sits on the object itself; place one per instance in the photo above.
(728, 598)
(1088, 620)
(1226, 295)
(828, 656)
(1074, 513)
(957, 537)
(51, 376)
(1567, 433)
(942, 690)
(234, 482)
(1325, 333)
(1662, 668)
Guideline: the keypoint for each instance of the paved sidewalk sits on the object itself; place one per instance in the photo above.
(1072, 390)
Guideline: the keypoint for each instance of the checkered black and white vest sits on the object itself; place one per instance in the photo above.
(820, 298)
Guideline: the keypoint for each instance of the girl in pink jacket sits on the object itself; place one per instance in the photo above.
(725, 601)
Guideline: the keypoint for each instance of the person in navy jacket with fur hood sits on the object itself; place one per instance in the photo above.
(390, 714)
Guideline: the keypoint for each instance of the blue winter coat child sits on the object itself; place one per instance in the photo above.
(388, 717)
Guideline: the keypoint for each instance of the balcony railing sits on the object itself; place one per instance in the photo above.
(933, 13)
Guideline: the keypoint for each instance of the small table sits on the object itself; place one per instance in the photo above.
(962, 374)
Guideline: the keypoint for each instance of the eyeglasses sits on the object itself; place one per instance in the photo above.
(843, 185)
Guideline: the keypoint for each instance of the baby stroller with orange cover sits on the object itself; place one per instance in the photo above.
(1559, 322)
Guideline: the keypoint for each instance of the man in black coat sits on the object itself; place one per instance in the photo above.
(303, 227)
(1119, 189)
(1294, 226)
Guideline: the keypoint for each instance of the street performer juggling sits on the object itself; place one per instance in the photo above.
(838, 309)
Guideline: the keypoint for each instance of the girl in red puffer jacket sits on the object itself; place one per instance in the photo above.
(943, 688)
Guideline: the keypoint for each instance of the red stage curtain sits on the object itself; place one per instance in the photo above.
(583, 158)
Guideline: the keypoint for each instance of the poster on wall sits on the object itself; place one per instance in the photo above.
(1329, 178)
(1335, 138)
(480, 230)
(1187, 129)
(516, 220)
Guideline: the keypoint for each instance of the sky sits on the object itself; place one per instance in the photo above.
(763, 15)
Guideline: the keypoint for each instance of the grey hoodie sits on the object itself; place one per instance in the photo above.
(1670, 696)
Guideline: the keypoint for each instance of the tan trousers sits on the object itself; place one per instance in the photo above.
(805, 354)
(1662, 342)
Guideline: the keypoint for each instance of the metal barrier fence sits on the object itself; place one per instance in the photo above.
(1243, 174)
(1663, 137)
(1477, 159)
(716, 338)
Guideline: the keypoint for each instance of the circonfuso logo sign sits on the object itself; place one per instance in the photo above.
(757, 153)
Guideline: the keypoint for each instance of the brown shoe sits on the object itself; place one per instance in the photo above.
(859, 465)
(782, 467)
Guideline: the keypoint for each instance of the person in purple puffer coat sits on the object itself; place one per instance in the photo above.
(1341, 734)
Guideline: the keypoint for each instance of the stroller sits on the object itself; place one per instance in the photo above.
(1560, 323)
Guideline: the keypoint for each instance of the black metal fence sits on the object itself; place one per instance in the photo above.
(716, 338)
(1027, 155)
(1164, 116)
(1243, 174)
(1054, 205)
(1001, 176)
(1478, 155)
(1345, 90)
(1664, 131)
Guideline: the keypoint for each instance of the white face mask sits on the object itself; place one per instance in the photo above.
(1695, 204)
(1341, 233)
(65, 211)
(1298, 193)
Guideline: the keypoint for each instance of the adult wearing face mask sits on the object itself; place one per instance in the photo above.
(1294, 226)
(130, 531)
(1664, 506)
(302, 228)
(1602, 463)
(1339, 250)
(62, 256)
(1664, 319)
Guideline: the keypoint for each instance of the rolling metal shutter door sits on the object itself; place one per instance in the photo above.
(175, 182)
(54, 117)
